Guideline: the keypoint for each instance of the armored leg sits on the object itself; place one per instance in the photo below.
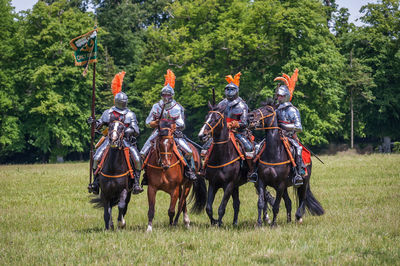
(299, 169)
(190, 167)
(94, 187)
(253, 175)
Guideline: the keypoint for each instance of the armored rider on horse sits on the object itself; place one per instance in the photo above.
(119, 112)
(290, 123)
(236, 112)
(169, 109)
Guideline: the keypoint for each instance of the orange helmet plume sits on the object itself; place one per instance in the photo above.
(116, 84)
(234, 80)
(170, 78)
(290, 82)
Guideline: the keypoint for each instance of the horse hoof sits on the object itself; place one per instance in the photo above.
(121, 224)
(187, 225)
(149, 229)
(273, 225)
(300, 221)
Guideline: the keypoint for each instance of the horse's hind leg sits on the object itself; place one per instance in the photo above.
(151, 197)
(122, 207)
(210, 201)
(288, 205)
(225, 198)
(261, 204)
(236, 205)
(182, 204)
(301, 193)
(108, 216)
(174, 199)
(275, 208)
(186, 219)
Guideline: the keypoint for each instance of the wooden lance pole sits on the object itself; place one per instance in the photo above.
(93, 122)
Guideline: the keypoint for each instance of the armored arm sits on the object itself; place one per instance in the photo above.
(180, 121)
(295, 121)
(153, 116)
(243, 123)
(133, 128)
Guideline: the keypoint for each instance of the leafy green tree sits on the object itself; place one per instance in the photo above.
(207, 40)
(56, 95)
(11, 130)
(378, 44)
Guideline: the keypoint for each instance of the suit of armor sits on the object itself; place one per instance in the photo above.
(237, 110)
(289, 120)
(173, 111)
(127, 117)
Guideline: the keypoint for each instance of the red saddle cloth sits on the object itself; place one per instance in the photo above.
(306, 155)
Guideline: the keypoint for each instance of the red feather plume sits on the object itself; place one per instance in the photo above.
(170, 78)
(290, 82)
(235, 80)
(116, 84)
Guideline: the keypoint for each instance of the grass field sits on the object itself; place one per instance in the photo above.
(46, 218)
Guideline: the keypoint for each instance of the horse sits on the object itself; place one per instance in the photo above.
(115, 177)
(164, 167)
(223, 166)
(275, 168)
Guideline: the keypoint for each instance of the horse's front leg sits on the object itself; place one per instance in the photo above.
(261, 201)
(122, 206)
(275, 208)
(172, 204)
(225, 198)
(151, 197)
(210, 201)
(108, 216)
(236, 205)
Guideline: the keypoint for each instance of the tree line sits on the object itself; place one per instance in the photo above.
(348, 85)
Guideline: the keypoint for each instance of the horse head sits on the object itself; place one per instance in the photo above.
(116, 134)
(214, 122)
(165, 142)
(263, 118)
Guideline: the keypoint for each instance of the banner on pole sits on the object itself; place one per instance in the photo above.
(85, 47)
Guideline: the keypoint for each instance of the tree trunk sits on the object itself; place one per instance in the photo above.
(386, 144)
(351, 120)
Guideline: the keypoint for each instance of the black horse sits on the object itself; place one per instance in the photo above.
(223, 168)
(275, 168)
(115, 177)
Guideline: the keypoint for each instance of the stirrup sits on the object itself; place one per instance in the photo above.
(253, 178)
(297, 181)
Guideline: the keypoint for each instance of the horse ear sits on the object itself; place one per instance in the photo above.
(210, 106)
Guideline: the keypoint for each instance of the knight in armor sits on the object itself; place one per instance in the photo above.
(236, 113)
(168, 108)
(120, 112)
(289, 121)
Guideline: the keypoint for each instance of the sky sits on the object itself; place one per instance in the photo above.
(353, 6)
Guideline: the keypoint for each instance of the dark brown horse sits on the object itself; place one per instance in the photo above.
(275, 168)
(164, 168)
(223, 168)
(114, 177)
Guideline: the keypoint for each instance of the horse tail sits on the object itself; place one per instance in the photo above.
(199, 193)
(312, 204)
(98, 203)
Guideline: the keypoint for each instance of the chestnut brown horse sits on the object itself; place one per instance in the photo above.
(275, 168)
(164, 168)
(223, 168)
(114, 177)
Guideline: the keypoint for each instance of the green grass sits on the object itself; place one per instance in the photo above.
(46, 218)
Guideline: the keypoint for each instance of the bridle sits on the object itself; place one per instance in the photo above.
(221, 118)
(273, 114)
(115, 129)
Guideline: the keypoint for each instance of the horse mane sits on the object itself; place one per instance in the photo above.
(269, 102)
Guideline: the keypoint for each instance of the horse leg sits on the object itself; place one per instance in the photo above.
(174, 198)
(236, 205)
(186, 219)
(122, 206)
(107, 216)
(261, 201)
(269, 199)
(225, 198)
(288, 205)
(275, 208)
(182, 203)
(210, 201)
(151, 197)
(301, 193)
